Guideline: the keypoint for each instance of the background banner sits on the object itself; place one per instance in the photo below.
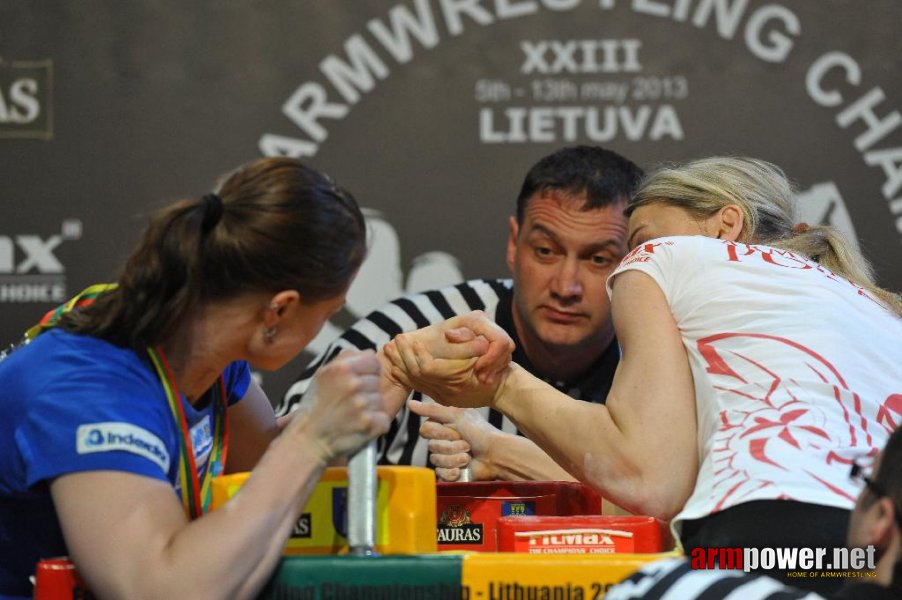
(429, 111)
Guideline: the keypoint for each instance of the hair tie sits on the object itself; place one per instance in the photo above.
(212, 207)
(800, 228)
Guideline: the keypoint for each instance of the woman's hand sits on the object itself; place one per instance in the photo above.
(458, 438)
(344, 408)
(459, 362)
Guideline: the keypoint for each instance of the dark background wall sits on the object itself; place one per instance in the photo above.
(429, 111)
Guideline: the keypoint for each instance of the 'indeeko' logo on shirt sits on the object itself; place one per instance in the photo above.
(124, 437)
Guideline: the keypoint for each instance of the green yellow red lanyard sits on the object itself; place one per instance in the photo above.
(196, 495)
(86, 297)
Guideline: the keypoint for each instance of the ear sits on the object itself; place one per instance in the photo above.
(727, 223)
(279, 305)
(513, 232)
(883, 525)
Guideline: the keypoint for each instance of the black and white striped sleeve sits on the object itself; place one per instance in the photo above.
(400, 315)
(674, 579)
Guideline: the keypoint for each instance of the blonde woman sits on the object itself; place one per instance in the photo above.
(759, 361)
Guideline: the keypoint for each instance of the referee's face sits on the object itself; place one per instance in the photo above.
(560, 257)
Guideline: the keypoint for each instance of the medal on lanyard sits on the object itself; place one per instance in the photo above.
(196, 494)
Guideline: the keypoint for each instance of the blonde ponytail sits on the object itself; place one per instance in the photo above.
(828, 247)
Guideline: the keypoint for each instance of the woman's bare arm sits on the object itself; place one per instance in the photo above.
(639, 449)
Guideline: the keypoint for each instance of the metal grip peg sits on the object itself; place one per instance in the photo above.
(361, 512)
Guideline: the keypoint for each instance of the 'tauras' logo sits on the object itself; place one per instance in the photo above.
(455, 527)
(26, 99)
(303, 527)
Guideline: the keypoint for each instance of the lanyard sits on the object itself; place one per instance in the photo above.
(86, 297)
(196, 495)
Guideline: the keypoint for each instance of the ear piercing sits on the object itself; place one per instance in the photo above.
(269, 333)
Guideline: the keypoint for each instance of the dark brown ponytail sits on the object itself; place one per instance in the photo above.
(275, 224)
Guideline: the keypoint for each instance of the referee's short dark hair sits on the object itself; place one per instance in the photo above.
(603, 175)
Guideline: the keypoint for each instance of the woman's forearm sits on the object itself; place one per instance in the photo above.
(516, 458)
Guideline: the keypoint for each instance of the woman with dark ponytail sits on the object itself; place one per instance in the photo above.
(143, 388)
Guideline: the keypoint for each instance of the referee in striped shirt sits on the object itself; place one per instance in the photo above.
(568, 235)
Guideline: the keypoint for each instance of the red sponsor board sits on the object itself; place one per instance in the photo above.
(468, 513)
(582, 535)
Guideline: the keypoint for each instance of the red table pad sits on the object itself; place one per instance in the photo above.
(468, 513)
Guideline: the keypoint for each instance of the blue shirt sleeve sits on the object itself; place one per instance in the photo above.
(97, 407)
(94, 406)
(237, 379)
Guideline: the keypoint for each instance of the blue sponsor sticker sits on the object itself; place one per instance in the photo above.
(517, 509)
(340, 510)
(202, 443)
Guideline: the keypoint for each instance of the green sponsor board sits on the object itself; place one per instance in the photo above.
(417, 577)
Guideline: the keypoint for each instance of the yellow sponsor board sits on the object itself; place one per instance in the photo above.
(506, 576)
(405, 511)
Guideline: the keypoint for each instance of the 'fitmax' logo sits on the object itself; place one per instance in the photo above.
(30, 270)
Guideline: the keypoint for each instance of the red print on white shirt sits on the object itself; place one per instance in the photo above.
(738, 252)
(643, 252)
(890, 414)
(779, 419)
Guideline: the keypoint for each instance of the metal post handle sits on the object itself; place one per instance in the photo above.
(361, 512)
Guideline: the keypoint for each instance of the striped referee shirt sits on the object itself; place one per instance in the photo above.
(674, 579)
(402, 445)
